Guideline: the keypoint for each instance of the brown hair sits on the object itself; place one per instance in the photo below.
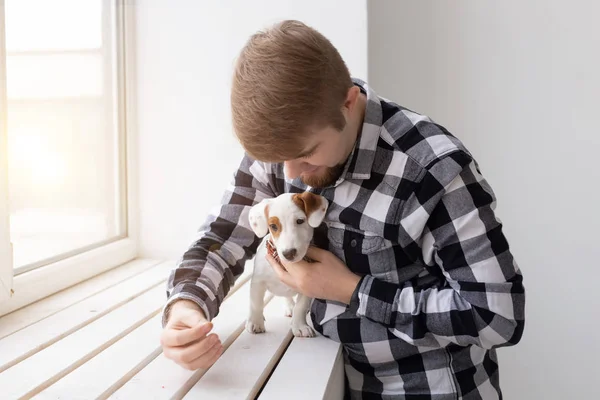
(288, 80)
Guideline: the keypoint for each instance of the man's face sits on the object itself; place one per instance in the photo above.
(322, 161)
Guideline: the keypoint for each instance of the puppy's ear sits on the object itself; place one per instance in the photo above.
(314, 206)
(258, 216)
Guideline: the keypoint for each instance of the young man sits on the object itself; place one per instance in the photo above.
(417, 281)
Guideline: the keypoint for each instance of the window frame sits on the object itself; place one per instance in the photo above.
(6, 276)
(26, 285)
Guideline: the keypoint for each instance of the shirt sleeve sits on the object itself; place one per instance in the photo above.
(225, 241)
(482, 299)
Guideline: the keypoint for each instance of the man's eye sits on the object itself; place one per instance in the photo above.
(273, 227)
(300, 221)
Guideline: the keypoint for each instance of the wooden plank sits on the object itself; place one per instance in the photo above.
(98, 377)
(163, 379)
(43, 369)
(316, 360)
(35, 312)
(242, 370)
(30, 340)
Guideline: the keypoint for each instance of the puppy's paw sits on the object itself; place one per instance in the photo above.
(289, 306)
(303, 331)
(255, 326)
(289, 310)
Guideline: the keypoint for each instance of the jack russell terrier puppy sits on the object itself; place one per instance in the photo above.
(290, 220)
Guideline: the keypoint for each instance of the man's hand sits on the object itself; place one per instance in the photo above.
(325, 278)
(184, 338)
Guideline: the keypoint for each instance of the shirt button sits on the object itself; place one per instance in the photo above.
(353, 243)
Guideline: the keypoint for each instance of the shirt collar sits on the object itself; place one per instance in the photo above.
(360, 161)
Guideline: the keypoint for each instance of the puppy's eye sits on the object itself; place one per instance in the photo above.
(273, 227)
(300, 221)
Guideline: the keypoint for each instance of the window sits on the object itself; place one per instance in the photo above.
(64, 183)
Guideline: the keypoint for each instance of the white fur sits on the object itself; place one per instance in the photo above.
(292, 236)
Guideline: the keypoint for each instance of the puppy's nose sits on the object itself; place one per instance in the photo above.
(290, 254)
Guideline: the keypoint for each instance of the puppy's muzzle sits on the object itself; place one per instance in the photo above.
(288, 254)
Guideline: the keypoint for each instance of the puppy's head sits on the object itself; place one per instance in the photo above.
(290, 219)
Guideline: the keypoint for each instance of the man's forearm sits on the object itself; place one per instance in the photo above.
(210, 266)
(436, 317)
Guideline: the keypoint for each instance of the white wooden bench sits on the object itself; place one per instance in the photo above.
(100, 340)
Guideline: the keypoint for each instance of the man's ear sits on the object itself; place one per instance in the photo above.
(258, 217)
(314, 206)
(351, 100)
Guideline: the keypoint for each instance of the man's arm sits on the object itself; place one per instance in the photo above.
(208, 269)
(451, 218)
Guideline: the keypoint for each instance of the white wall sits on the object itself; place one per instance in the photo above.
(519, 82)
(185, 54)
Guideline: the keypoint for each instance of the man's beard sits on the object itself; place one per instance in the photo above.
(327, 178)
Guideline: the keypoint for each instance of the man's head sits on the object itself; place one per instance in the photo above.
(293, 101)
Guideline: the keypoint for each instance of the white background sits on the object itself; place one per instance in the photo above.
(519, 82)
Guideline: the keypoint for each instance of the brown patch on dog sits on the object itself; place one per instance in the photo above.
(308, 202)
(274, 221)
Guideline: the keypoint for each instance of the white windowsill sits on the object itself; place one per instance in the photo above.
(59, 347)
(44, 281)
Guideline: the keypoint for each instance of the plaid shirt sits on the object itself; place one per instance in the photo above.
(412, 215)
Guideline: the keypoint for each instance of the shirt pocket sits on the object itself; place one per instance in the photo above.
(363, 252)
(367, 253)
